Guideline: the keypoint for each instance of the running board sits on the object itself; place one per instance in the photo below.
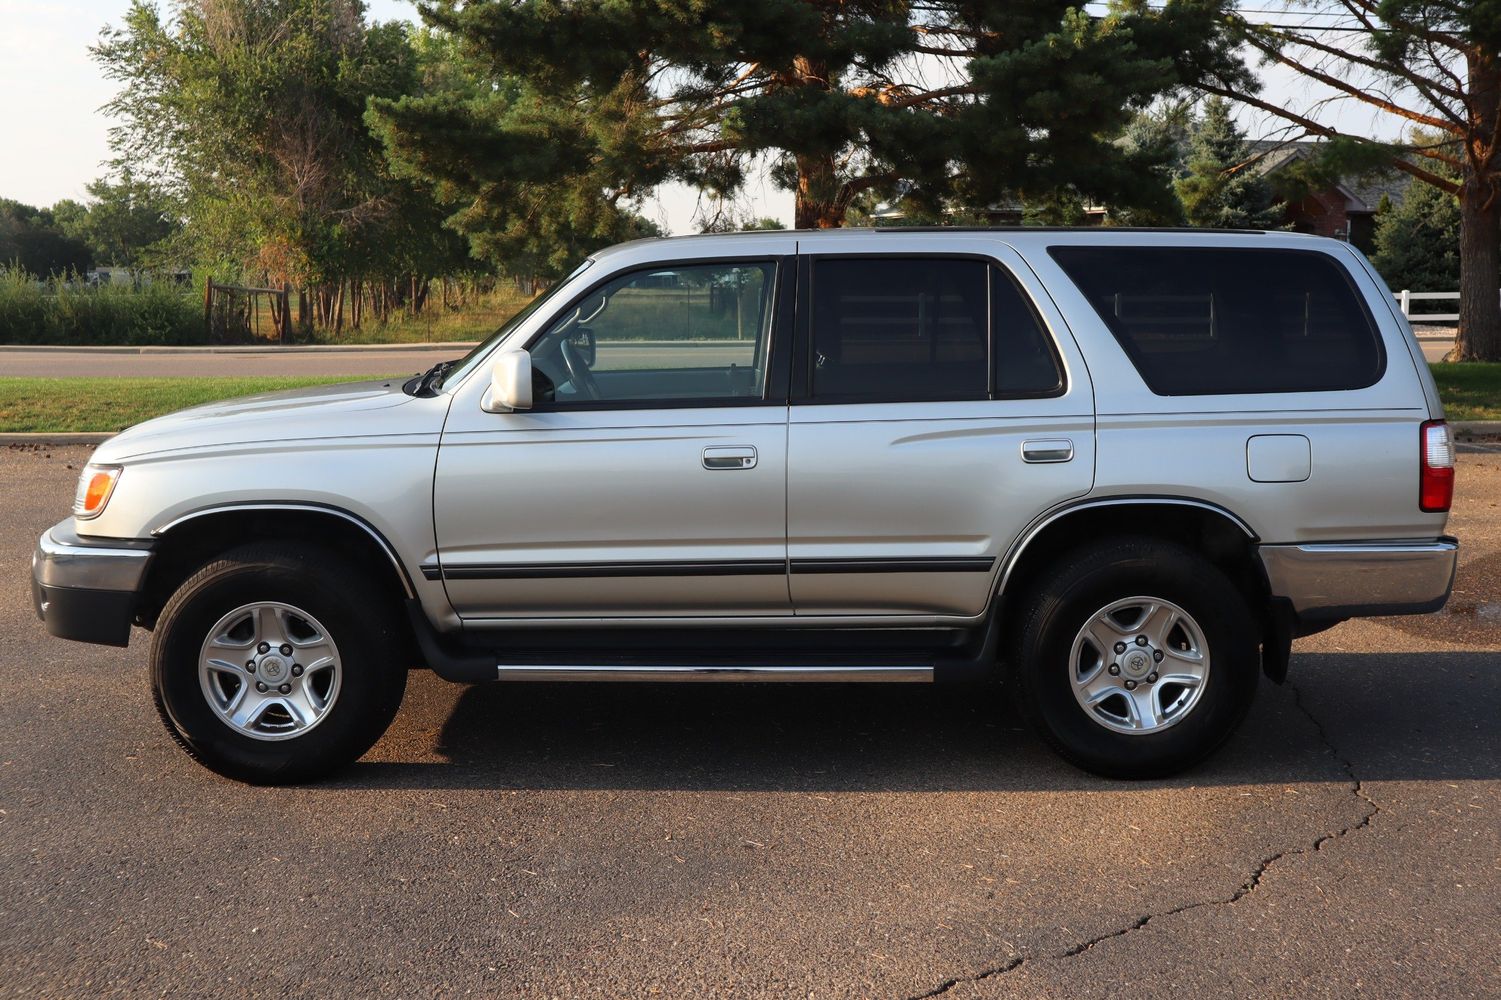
(714, 673)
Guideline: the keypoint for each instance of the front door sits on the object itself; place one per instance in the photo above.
(936, 411)
(649, 479)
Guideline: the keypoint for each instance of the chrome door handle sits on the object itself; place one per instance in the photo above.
(1048, 450)
(736, 457)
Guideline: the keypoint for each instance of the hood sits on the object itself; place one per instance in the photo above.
(353, 409)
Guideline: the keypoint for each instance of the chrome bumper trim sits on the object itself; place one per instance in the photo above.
(1355, 579)
(64, 559)
(714, 673)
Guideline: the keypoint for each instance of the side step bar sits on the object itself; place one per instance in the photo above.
(714, 673)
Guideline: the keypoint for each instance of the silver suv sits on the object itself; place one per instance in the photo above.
(1120, 470)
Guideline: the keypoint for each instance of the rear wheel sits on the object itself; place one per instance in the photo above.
(271, 665)
(1136, 658)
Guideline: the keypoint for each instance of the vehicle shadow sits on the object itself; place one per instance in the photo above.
(1391, 716)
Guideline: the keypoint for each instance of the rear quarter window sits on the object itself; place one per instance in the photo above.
(1210, 320)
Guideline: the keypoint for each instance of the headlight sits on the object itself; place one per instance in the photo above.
(94, 489)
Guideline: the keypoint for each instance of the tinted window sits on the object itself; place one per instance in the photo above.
(1026, 363)
(689, 332)
(1199, 321)
(899, 329)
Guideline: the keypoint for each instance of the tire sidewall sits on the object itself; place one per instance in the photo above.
(1169, 573)
(367, 683)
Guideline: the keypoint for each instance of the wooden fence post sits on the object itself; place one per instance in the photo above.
(208, 306)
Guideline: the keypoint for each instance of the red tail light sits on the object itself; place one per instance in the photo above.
(1436, 472)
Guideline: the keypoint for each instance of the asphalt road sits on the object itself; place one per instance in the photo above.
(718, 841)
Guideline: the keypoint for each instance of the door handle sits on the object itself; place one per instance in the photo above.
(730, 457)
(1047, 450)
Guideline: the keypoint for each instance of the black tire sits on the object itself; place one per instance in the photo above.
(1069, 596)
(355, 615)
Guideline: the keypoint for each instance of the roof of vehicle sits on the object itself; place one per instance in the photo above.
(1017, 233)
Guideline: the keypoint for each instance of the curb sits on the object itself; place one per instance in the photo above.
(456, 345)
(1476, 428)
(54, 437)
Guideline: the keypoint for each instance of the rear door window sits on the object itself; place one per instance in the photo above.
(1219, 320)
(925, 328)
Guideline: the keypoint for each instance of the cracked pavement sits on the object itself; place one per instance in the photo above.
(808, 841)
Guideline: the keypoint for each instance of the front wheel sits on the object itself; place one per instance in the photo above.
(271, 666)
(1136, 658)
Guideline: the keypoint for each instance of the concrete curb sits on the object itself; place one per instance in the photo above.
(1476, 428)
(54, 438)
(459, 346)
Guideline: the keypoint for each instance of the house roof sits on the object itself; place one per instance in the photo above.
(1362, 192)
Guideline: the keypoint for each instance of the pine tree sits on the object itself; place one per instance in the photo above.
(1221, 189)
(1417, 242)
(961, 102)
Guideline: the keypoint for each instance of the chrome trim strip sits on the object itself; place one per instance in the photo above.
(1354, 579)
(70, 561)
(406, 580)
(714, 674)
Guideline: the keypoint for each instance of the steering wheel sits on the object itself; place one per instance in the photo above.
(578, 372)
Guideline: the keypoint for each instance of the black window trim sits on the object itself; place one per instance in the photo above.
(800, 391)
(779, 356)
(1135, 357)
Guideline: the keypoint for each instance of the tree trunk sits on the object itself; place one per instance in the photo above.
(817, 203)
(1480, 223)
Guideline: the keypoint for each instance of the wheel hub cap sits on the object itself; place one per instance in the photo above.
(1139, 665)
(277, 694)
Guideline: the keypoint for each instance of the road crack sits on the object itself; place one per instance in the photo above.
(1250, 885)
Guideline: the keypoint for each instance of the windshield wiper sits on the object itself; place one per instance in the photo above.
(430, 381)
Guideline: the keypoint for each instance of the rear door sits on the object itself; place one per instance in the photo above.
(938, 406)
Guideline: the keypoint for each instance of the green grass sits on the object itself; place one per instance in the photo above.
(1471, 390)
(112, 404)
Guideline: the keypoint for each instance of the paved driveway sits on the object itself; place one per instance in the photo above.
(718, 841)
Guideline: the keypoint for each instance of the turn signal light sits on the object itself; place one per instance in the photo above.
(94, 488)
(1436, 473)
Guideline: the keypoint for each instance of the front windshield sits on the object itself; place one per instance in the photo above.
(468, 361)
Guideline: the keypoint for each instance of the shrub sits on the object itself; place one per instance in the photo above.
(64, 311)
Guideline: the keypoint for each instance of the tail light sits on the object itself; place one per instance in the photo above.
(1436, 474)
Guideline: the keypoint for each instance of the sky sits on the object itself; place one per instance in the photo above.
(56, 139)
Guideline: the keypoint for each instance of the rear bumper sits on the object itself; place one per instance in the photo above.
(85, 589)
(1358, 579)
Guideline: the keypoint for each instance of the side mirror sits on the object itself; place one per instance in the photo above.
(510, 384)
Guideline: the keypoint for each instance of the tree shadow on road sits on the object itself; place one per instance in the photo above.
(1393, 716)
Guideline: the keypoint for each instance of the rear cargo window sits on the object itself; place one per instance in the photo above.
(1207, 321)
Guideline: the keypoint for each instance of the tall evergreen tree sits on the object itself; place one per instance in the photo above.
(1417, 242)
(1220, 188)
(598, 101)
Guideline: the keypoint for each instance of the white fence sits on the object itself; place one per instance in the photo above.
(1406, 298)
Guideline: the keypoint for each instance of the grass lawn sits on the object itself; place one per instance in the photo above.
(1470, 392)
(112, 404)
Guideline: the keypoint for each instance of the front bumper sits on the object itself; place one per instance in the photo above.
(85, 589)
(1332, 581)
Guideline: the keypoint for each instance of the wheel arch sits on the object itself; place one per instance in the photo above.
(188, 542)
(1207, 528)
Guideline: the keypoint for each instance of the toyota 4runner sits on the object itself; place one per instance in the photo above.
(1119, 470)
